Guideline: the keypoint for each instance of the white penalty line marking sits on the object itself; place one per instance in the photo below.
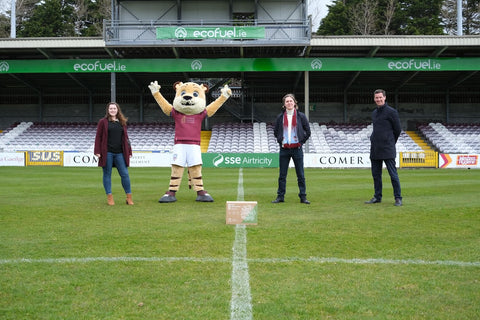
(319, 260)
(241, 302)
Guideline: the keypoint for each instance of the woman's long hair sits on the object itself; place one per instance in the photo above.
(291, 96)
(121, 118)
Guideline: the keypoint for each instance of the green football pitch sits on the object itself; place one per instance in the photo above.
(66, 254)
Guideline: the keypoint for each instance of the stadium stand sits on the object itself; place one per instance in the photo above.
(151, 136)
(351, 138)
(49, 136)
(235, 137)
(238, 137)
(452, 138)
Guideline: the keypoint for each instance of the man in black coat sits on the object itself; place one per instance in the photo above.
(386, 130)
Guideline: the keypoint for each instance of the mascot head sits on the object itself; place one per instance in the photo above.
(189, 97)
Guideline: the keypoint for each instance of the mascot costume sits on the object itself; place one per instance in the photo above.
(188, 112)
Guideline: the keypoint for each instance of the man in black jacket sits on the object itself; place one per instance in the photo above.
(386, 130)
(292, 130)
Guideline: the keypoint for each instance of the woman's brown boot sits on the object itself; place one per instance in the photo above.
(129, 200)
(110, 199)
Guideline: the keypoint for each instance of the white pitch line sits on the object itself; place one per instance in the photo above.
(240, 193)
(369, 261)
(241, 303)
(112, 259)
(324, 260)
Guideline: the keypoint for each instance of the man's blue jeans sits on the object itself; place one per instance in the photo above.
(119, 162)
(297, 155)
(377, 177)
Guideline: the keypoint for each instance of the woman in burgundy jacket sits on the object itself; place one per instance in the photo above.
(112, 147)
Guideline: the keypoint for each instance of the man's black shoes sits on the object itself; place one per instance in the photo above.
(398, 201)
(373, 200)
(279, 199)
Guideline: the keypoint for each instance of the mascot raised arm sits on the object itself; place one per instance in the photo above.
(188, 111)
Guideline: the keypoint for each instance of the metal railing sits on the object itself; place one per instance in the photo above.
(421, 159)
(289, 32)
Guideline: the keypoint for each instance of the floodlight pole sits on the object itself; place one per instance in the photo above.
(307, 102)
(13, 22)
(113, 87)
(307, 92)
(459, 18)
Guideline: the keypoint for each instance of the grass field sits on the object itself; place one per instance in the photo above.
(65, 254)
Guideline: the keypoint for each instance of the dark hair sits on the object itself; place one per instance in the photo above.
(380, 91)
(121, 118)
(291, 96)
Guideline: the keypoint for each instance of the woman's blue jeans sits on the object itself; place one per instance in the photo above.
(119, 162)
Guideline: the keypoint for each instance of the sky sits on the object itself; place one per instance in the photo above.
(318, 9)
(5, 5)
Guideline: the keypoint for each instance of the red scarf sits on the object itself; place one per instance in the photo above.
(290, 143)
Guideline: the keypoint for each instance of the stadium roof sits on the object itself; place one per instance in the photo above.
(466, 81)
(325, 46)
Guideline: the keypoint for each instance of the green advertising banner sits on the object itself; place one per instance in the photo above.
(239, 65)
(225, 33)
(240, 160)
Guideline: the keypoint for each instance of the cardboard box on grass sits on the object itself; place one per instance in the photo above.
(242, 212)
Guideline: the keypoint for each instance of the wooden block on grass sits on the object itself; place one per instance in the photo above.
(242, 212)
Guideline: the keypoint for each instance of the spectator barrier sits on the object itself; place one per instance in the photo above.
(246, 160)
